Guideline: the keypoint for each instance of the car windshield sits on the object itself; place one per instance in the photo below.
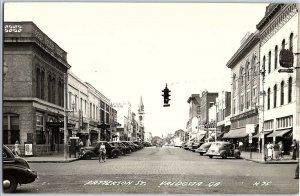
(215, 146)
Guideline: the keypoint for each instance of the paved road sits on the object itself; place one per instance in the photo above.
(164, 170)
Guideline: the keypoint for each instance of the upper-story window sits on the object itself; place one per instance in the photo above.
(242, 76)
(282, 93)
(290, 90)
(264, 64)
(283, 44)
(291, 42)
(269, 62)
(234, 82)
(275, 96)
(11, 130)
(268, 101)
(248, 71)
(276, 57)
(38, 84)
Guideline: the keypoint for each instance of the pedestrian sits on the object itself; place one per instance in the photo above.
(276, 151)
(102, 153)
(241, 145)
(80, 147)
(270, 150)
(294, 149)
(280, 150)
(17, 149)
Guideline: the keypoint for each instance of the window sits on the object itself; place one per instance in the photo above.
(102, 115)
(284, 122)
(234, 106)
(84, 106)
(49, 88)
(242, 103)
(234, 82)
(290, 90)
(269, 62)
(248, 100)
(91, 110)
(107, 117)
(53, 90)
(75, 104)
(80, 104)
(40, 131)
(11, 131)
(268, 101)
(291, 42)
(275, 96)
(268, 125)
(42, 85)
(276, 57)
(70, 100)
(282, 93)
(198, 109)
(59, 93)
(283, 44)
(38, 84)
(242, 76)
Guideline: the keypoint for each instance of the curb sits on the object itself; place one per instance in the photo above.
(62, 161)
(271, 162)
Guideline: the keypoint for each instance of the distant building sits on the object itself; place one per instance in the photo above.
(141, 120)
(148, 137)
(223, 104)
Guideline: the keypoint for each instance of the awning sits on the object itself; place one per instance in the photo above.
(279, 133)
(258, 134)
(236, 133)
(201, 137)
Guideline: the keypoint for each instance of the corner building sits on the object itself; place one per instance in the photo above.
(33, 93)
(279, 30)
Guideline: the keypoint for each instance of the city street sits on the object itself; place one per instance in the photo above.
(163, 170)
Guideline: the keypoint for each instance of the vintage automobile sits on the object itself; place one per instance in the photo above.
(123, 149)
(203, 148)
(195, 146)
(15, 171)
(223, 149)
(111, 151)
(131, 146)
(188, 145)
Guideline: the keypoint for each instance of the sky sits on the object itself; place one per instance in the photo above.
(132, 50)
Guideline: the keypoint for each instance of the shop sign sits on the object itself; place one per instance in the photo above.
(286, 58)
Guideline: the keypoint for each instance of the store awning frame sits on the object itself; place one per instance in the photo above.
(236, 133)
(279, 133)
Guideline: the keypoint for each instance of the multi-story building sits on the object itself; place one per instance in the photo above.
(244, 65)
(223, 104)
(33, 93)
(148, 137)
(78, 107)
(124, 116)
(194, 115)
(279, 31)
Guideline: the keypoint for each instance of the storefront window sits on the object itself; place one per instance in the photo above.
(40, 131)
(11, 131)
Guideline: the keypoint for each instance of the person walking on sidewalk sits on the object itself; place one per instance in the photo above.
(80, 148)
(270, 151)
(294, 149)
(17, 149)
(276, 151)
(280, 150)
(102, 153)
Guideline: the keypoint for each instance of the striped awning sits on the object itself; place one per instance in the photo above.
(279, 133)
(236, 133)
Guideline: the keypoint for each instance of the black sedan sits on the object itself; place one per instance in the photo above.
(123, 149)
(15, 171)
(111, 151)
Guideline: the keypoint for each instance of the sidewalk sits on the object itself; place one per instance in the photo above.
(257, 157)
(55, 158)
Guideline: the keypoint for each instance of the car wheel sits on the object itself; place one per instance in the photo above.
(224, 156)
(237, 156)
(115, 155)
(88, 157)
(10, 184)
(210, 156)
(201, 154)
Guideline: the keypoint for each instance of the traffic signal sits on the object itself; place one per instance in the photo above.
(166, 96)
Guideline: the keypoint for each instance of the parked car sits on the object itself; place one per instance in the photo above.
(15, 171)
(188, 145)
(146, 144)
(183, 144)
(123, 149)
(130, 145)
(111, 151)
(203, 148)
(195, 146)
(141, 146)
(223, 149)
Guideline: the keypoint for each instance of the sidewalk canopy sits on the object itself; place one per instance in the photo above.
(265, 133)
(236, 133)
(279, 133)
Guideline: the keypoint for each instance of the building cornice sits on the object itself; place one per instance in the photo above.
(249, 43)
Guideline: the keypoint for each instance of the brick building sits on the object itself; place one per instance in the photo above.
(33, 88)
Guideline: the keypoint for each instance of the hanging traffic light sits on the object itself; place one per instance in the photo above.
(166, 96)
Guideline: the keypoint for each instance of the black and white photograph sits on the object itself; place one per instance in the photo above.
(154, 97)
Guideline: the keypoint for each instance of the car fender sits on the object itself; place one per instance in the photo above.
(236, 152)
(89, 152)
(22, 174)
(222, 152)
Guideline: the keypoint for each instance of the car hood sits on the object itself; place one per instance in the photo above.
(89, 148)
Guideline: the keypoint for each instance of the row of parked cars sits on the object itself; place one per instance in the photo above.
(113, 149)
(211, 149)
